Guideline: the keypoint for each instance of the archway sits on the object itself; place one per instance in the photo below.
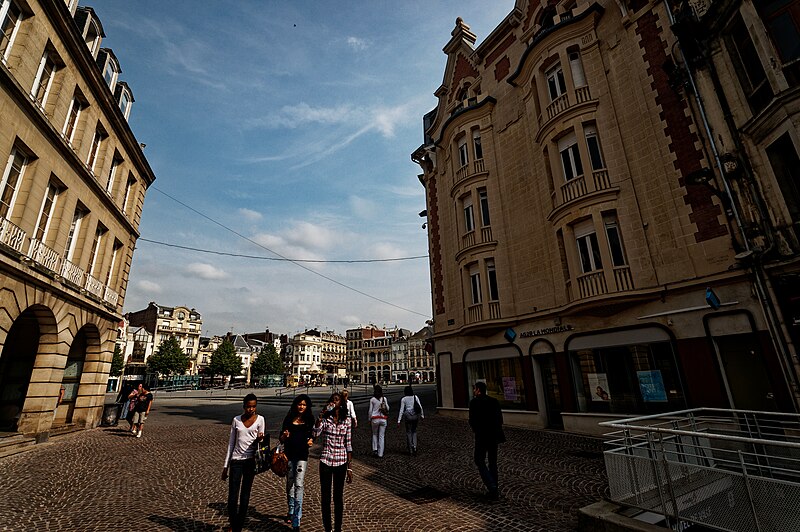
(84, 350)
(16, 367)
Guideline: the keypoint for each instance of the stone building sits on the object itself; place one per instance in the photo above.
(333, 355)
(583, 263)
(184, 323)
(354, 351)
(421, 363)
(72, 186)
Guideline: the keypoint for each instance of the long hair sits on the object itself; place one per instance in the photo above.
(342, 406)
(308, 415)
(377, 391)
(408, 391)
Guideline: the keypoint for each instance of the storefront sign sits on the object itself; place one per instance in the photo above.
(651, 384)
(546, 331)
(598, 384)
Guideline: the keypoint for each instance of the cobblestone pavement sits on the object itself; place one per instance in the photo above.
(105, 479)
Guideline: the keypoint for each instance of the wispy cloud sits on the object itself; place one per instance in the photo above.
(357, 43)
(205, 271)
(149, 287)
(250, 215)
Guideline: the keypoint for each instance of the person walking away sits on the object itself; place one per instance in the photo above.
(378, 416)
(144, 400)
(411, 412)
(247, 430)
(351, 409)
(486, 420)
(296, 436)
(334, 462)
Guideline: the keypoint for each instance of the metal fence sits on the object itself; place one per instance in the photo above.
(736, 470)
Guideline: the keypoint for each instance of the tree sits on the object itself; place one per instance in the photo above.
(225, 361)
(268, 362)
(169, 358)
(117, 362)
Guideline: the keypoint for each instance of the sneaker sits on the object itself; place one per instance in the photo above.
(139, 434)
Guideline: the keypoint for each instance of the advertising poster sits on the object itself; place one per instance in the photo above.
(598, 384)
(651, 384)
(510, 389)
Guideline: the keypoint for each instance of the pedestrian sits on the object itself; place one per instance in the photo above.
(410, 412)
(296, 436)
(246, 430)
(335, 459)
(351, 409)
(123, 401)
(486, 420)
(130, 404)
(144, 400)
(378, 416)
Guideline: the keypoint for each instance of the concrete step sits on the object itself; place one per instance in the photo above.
(13, 442)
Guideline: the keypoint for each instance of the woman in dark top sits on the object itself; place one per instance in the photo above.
(296, 438)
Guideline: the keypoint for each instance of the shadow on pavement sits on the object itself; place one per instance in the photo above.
(182, 523)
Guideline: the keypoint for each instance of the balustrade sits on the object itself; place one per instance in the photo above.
(475, 313)
(479, 166)
(486, 234)
(558, 106)
(462, 173)
(623, 278)
(111, 296)
(601, 179)
(574, 188)
(44, 255)
(72, 273)
(592, 284)
(582, 94)
(494, 310)
(94, 286)
(11, 235)
(468, 240)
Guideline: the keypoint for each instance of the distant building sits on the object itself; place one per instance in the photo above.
(183, 323)
(354, 351)
(421, 360)
(334, 352)
(136, 344)
(245, 351)
(72, 184)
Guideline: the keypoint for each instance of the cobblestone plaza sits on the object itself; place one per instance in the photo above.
(105, 479)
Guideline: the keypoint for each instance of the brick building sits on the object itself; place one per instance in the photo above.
(72, 186)
(583, 261)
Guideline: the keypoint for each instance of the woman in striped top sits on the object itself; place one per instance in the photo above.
(337, 452)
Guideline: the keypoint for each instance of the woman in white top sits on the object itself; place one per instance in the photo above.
(246, 430)
(408, 412)
(351, 410)
(378, 416)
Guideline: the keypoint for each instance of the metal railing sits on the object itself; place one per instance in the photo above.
(733, 470)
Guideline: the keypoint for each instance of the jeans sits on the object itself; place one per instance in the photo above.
(295, 477)
(378, 432)
(411, 434)
(241, 473)
(337, 475)
(488, 474)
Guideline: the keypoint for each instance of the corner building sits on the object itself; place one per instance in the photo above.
(571, 243)
(72, 183)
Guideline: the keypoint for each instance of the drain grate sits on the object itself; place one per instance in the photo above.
(424, 495)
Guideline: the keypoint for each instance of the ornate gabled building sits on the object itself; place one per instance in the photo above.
(184, 323)
(72, 184)
(583, 262)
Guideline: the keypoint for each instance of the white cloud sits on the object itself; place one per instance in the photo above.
(149, 287)
(206, 271)
(250, 215)
(385, 251)
(357, 43)
(312, 236)
(363, 207)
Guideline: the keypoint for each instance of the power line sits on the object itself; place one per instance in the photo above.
(279, 259)
(296, 263)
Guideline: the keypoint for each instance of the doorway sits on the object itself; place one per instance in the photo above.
(72, 377)
(552, 394)
(748, 381)
(16, 368)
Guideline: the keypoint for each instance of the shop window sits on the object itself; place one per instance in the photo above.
(476, 144)
(593, 147)
(614, 240)
(782, 18)
(12, 177)
(570, 157)
(629, 379)
(10, 17)
(588, 248)
(483, 198)
(556, 86)
(748, 65)
(785, 164)
(503, 378)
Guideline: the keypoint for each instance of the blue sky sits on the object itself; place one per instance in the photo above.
(292, 123)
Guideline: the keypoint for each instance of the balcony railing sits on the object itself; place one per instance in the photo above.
(11, 235)
(72, 273)
(494, 310)
(601, 180)
(574, 188)
(468, 240)
(93, 286)
(592, 284)
(111, 296)
(486, 234)
(462, 173)
(623, 278)
(46, 256)
(475, 313)
(582, 94)
(479, 166)
(558, 106)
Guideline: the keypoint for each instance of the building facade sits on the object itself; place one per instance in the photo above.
(137, 345)
(334, 347)
(421, 364)
(72, 187)
(185, 324)
(583, 262)
(354, 351)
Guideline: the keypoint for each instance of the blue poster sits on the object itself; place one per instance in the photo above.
(652, 386)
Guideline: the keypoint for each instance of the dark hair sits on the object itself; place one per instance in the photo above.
(481, 386)
(377, 391)
(249, 397)
(308, 416)
(343, 414)
(145, 386)
(408, 390)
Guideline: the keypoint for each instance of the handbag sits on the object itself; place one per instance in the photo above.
(280, 464)
(383, 408)
(263, 455)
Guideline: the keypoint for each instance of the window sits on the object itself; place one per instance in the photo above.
(15, 168)
(10, 16)
(97, 140)
(46, 212)
(593, 147)
(476, 143)
(475, 284)
(469, 215)
(128, 188)
(483, 198)
(588, 248)
(748, 66)
(614, 240)
(98, 240)
(501, 370)
(110, 74)
(570, 157)
(74, 231)
(44, 79)
(463, 157)
(556, 86)
(782, 18)
(785, 163)
(491, 277)
(115, 162)
(124, 103)
(112, 267)
(73, 116)
(92, 38)
(576, 67)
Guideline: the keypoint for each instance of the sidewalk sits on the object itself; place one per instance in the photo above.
(104, 479)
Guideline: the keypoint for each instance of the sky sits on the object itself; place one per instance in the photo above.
(285, 130)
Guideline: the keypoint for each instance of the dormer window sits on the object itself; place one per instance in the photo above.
(110, 67)
(124, 97)
(110, 74)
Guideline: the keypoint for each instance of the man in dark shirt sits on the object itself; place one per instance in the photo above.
(486, 420)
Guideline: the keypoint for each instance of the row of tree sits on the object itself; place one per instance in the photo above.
(169, 359)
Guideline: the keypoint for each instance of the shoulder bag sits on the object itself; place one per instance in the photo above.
(280, 463)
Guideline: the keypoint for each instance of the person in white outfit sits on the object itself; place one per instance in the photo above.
(410, 412)
(378, 416)
(351, 409)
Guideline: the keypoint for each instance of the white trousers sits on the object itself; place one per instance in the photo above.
(378, 433)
